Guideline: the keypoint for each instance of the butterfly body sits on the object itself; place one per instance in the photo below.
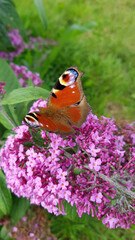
(67, 106)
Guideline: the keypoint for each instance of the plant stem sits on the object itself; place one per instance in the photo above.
(118, 186)
(115, 184)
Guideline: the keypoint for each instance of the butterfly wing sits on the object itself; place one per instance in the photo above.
(68, 94)
(78, 113)
(66, 107)
(67, 90)
(48, 120)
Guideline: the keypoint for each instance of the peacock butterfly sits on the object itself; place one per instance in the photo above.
(67, 106)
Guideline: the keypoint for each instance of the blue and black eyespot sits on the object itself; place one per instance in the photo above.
(60, 85)
(74, 72)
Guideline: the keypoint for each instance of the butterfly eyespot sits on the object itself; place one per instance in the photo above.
(74, 72)
(31, 120)
(64, 76)
(28, 118)
(67, 78)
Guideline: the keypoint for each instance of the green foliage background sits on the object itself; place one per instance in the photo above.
(105, 50)
(98, 37)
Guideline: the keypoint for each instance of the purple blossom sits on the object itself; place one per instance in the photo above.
(96, 197)
(92, 150)
(24, 219)
(24, 75)
(32, 235)
(19, 45)
(95, 164)
(95, 137)
(110, 221)
(95, 175)
(15, 229)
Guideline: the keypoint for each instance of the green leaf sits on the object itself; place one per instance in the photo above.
(19, 208)
(41, 11)
(4, 234)
(73, 215)
(5, 122)
(25, 94)
(8, 2)
(92, 24)
(8, 76)
(86, 28)
(18, 112)
(5, 42)
(15, 94)
(79, 28)
(7, 133)
(8, 117)
(9, 16)
(5, 196)
(71, 211)
(78, 171)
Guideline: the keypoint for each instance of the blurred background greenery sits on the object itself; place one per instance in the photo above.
(98, 37)
(104, 50)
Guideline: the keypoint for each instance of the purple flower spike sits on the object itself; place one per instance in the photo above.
(94, 169)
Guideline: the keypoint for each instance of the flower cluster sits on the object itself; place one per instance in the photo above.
(41, 42)
(24, 74)
(93, 169)
(19, 45)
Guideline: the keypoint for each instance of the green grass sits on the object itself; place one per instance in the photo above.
(106, 54)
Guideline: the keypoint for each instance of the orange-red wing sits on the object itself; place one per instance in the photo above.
(74, 113)
(46, 123)
(68, 96)
(60, 125)
(64, 129)
(67, 90)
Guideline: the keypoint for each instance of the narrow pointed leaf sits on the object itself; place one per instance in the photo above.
(41, 11)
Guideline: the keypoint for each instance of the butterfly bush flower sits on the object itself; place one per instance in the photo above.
(24, 74)
(97, 197)
(95, 164)
(19, 45)
(93, 169)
